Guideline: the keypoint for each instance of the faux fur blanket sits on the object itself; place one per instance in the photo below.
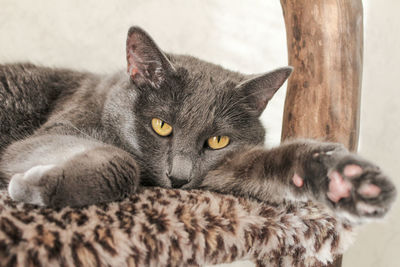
(166, 227)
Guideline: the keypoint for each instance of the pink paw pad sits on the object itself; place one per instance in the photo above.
(338, 187)
(297, 180)
(369, 190)
(352, 170)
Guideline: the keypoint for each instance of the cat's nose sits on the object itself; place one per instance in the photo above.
(180, 170)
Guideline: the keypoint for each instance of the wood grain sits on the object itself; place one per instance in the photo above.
(325, 46)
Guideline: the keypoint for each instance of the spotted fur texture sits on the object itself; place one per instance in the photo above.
(170, 227)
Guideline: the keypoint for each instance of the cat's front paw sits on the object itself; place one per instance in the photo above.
(29, 187)
(356, 189)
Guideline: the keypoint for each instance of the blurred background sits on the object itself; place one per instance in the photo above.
(247, 36)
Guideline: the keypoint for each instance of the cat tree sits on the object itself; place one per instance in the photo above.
(325, 45)
(165, 227)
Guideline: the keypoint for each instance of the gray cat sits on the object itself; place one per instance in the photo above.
(73, 138)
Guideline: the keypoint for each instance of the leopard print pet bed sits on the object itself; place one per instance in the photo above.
(166, 227)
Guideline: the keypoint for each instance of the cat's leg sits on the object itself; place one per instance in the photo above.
(307, 170)
(57, 171)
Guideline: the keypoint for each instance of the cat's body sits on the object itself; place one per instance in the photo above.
(71, 138)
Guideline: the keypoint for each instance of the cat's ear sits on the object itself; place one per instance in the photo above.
(147, 64)
(260, 89)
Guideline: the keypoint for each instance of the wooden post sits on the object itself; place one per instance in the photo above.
(325, 47)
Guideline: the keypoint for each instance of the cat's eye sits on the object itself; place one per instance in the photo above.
(218, 142)
(161, 127)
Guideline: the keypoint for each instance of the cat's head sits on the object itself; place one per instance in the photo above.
(188, 114)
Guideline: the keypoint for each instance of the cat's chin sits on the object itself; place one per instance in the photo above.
(193, 184)
(164, 181)
(154, 180)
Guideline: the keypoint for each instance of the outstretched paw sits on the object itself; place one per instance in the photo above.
(29, 187)
(358, 189)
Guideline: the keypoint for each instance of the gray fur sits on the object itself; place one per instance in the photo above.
(71, 138)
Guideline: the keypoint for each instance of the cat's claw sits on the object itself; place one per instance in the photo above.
(26, 187)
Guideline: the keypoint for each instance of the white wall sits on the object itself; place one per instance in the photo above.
(379, 244)
(242, 35)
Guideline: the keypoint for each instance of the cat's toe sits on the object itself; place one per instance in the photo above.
(359, 190)
(369, 190)
(375, 193)
(339, 187)
(27, 187)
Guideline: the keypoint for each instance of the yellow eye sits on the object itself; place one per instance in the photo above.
(161, 127)
(218, 142)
